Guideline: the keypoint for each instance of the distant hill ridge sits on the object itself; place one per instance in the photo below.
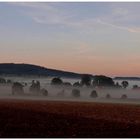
(127, 78)
(30, 69)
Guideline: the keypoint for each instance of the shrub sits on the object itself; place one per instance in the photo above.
(76, 92)
(9, 81)
(135, 87)
(17, 88)
(94, 94)
(108, 96)
(35, 87)
(44, 92)
(2, 81)
(123, 96)
(76, 84)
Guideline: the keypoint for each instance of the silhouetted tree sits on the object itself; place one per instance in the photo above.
(17, 88)
(108, 96)
(67, 84)
(94, 94)
(35, 87)
(76, 84)
(123, 96)
(135, 87)
(9, 81)
(101, 80)
(125, 84)
(44, 92)
(76, 92)
(86, 80)
(2, 81)
(56, 81)
(117, 85)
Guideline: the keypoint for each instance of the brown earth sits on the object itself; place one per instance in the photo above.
(59, 119)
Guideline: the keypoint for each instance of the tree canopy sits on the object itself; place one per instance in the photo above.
(56, 81)
(86, 80)
(101, 80)
(125, 84)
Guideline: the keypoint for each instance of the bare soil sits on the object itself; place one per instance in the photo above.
(59, 119)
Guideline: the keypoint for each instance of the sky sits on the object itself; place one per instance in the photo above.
(93, 37)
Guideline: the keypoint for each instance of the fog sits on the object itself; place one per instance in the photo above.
(64, 93)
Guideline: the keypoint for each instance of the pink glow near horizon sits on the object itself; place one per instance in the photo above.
(95, 38)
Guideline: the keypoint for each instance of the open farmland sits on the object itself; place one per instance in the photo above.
(26, 118)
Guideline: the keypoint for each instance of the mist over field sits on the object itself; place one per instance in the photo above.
(64, 92)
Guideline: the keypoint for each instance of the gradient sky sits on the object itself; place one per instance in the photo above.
(94, 37)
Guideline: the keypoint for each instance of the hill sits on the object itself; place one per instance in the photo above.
(127, 78)
(33, 70)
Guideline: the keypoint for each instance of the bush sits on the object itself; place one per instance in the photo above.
(135, 87)
(94, 94)
(123, 96)
(44, 92)
(2, 81)
(56, 81)
(76, 84)
(35, 87)
(108, 96)
(76, 92)
(9, 81)
(67, 84)
(17, 88)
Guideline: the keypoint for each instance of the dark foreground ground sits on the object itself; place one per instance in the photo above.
(36, 119)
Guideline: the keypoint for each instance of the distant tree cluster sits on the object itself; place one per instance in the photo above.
(4, 81)
(103, 81)
(88, 81)
(98, 81)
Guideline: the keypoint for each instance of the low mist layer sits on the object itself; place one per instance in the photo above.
(47, 91)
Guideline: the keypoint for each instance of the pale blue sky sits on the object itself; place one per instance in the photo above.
(94, 37)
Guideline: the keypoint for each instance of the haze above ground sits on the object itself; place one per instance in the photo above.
(94, 37)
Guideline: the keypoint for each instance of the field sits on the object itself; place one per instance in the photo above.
(61, 119)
